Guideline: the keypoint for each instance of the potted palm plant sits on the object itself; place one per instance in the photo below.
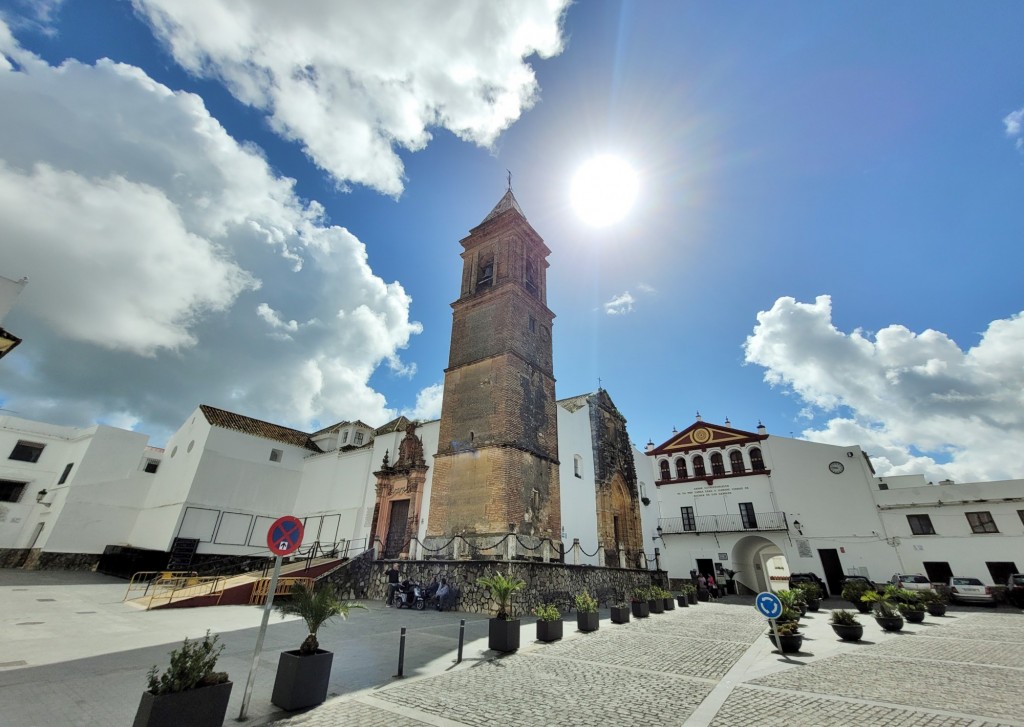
(852, 592)
(303, 674)
(189, 692)
(549, 622)
(790, 639)
(911, 607)
(887, 615)
(503, 628)
(934, 602)
(812, 594)
(587, 618)
(846, 625)
(638, 602)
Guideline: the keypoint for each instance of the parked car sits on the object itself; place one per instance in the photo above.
(863, 579)
(911, 581)
(1015, 589)
(795, 578)
(970, 590)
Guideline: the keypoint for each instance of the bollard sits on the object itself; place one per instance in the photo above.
(462, 638)
(401, 655)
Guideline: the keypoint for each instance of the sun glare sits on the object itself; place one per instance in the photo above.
(603, 190)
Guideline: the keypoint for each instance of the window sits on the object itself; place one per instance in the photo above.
(11, 491)
(531, 276)
(736, 462)
(747, 515)
(27, 451)
(756, 462)
(344, 436)
(151, 466)
(666, 474)
(689, 522)
(275, 455)
(681, 468)
(883, 485)
(698, 466)
(486, 274)
(357, 438)
(64, 475)
(920, 525)
(981, 522)
(533, 324)
(577, 466)
(717, 466)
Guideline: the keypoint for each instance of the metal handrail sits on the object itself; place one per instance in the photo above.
(173, 588)
(727, 523)
(261, 588)
(142, 580)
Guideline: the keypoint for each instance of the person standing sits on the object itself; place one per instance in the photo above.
(393, 580)
(712, 587)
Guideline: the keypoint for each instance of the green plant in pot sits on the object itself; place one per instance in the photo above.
(791, 605)
(587, 618)
(654, 600)
(885, 608)
(790, 639)
(303, 675)
(690, 591)
(503, 629)
(189, 691)
(812, 595)
(666, 597)
(853, 591)
(934, 602)
(620, 610)
(846, 625)
(549, 622)
(910, 606)
(638, 602)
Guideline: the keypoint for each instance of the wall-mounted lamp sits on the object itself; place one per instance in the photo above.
(798, 526)
(39, 498)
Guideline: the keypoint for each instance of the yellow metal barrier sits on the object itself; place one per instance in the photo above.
(190, 586)
(144, 580)
(261, 588)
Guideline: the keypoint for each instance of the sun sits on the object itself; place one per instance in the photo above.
(604, 190)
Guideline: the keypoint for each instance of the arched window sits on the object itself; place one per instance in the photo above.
(666, 473)
(577, 465)
(736, 462)
(717, 466)
(698, 466)
(756, 463)
(681, 468)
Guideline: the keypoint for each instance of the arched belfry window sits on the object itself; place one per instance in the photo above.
(531, 276)
(681, 472)
(736, 462)
(756, 463)
(666, 473)
(485, 274)
(698, 466)
(717, 466)
(577, 465)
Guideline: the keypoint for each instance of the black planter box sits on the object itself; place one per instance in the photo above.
(692, 598)
(503, 635)
(549, 630)
(302, 680)
(620, 614)
(682, 600)
(641, 609)
(588, 621)
(657, 605)
(202, 707)
(670, 604)
(849, 632)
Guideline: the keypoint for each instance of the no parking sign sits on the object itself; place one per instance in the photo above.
(285, 535)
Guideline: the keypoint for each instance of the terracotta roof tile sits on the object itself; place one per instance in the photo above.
(256, 427)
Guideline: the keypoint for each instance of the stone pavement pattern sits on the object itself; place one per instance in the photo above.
(960, 671)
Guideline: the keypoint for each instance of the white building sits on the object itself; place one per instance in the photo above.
(763, 506)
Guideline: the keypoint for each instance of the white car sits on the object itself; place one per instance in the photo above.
(912, 581)
(970, 590)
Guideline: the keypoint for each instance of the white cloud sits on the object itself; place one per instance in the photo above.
(354, 82)
(428, 404)
(1014, 123)
(620, 304)
(131, 210)
(645, 288)
(917, 402)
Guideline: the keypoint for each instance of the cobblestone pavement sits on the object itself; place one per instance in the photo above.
(711, 665)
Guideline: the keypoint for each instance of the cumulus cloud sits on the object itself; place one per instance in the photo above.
(1014, 123)
(146, 230)
(355, 82)
(428, 404)
(917, 402)
(620, 304)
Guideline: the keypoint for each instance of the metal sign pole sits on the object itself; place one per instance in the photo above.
(259, 639)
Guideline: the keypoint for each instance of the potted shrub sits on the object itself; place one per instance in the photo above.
(503, 629)
(790, 639)
(666, 596)
(791, 603)
(681, 599)
(620, 613)
(189, 692)
(303, 674)
(934, 602)
(587, 618)
(638, 602)
(853, 590)
(549, 622)
(846, 625)
(691, 593)
(886, 613)
(910, 606)
(654, 600)
(812, 594)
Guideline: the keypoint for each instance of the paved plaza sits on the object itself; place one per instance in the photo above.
(72, 654)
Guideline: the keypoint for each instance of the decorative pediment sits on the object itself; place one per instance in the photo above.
(701, 436)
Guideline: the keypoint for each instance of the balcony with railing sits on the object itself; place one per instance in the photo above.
(730, 523)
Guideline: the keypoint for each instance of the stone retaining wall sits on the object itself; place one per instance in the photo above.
(37, 559)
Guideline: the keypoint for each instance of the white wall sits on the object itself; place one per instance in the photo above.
(578, 494)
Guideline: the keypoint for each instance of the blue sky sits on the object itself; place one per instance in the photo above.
(258, 206)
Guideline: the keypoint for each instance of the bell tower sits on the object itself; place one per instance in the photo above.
(496, 468)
